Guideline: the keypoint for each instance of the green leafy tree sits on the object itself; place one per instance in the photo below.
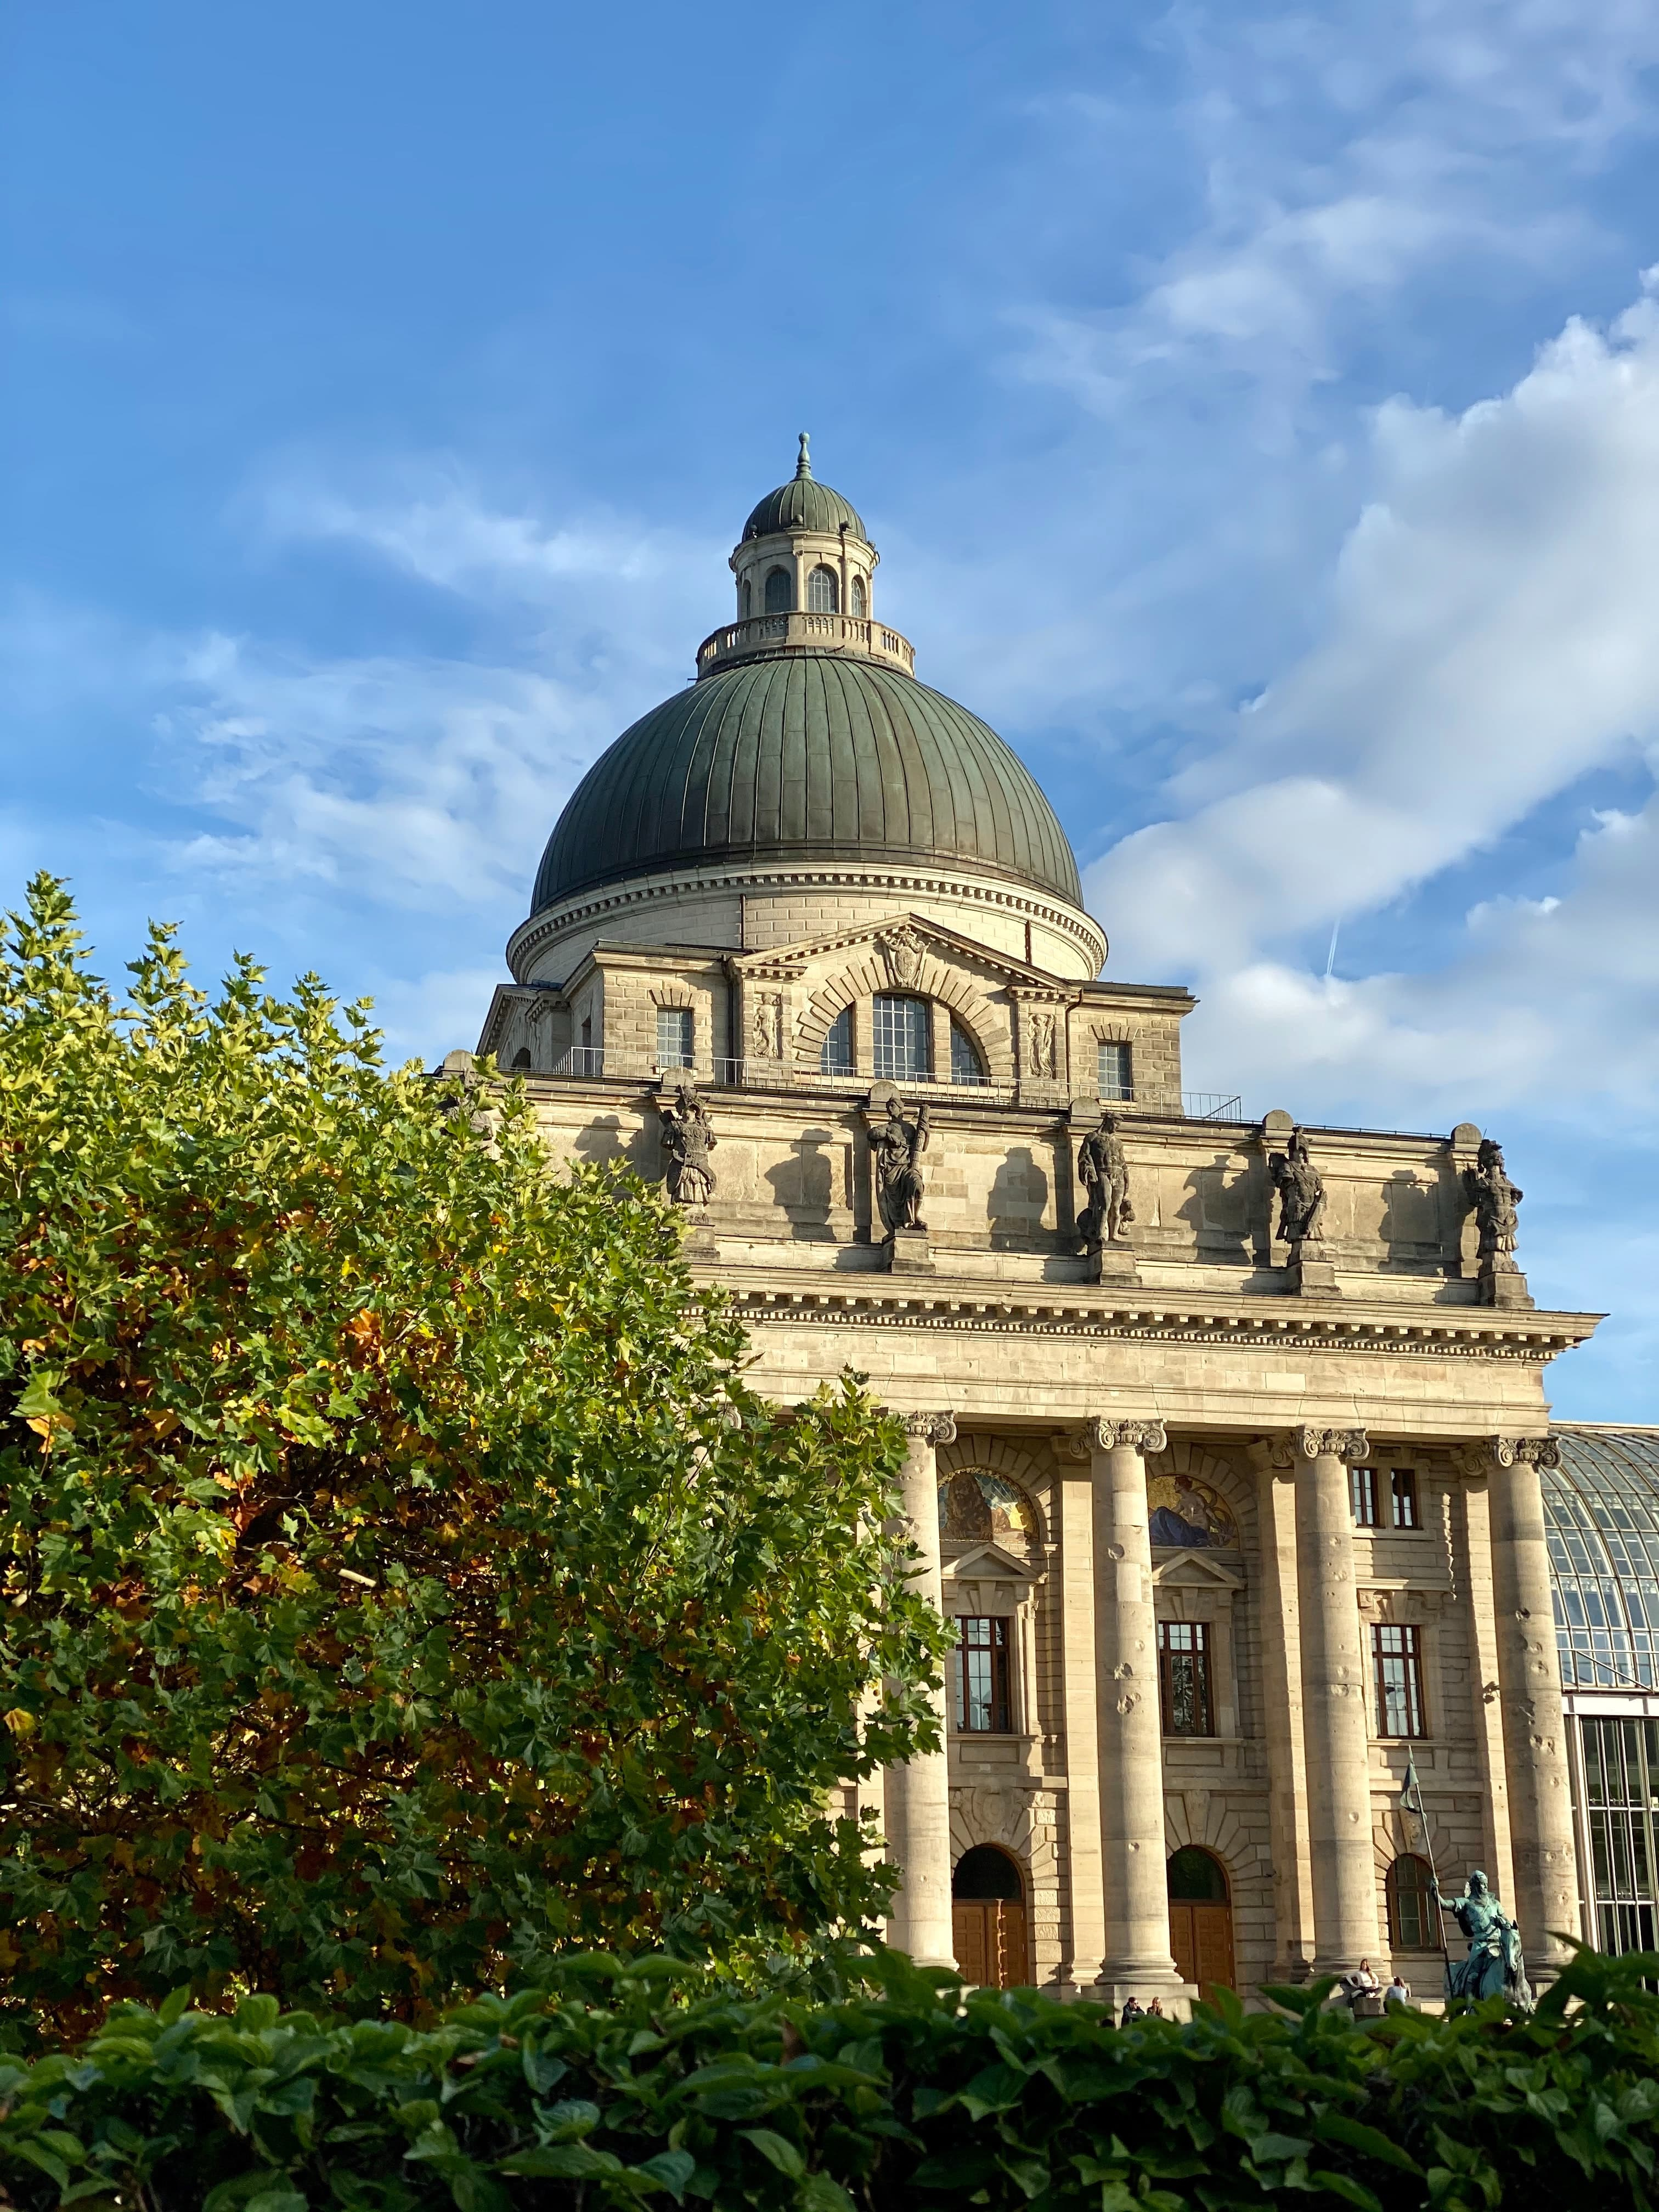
(401, 1583)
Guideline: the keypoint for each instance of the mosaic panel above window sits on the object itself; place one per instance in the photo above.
(975, 1506)
(1187, 1515)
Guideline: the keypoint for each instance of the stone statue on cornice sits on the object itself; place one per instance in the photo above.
(1494, 1200)
(687, 1140)
(1103, 1172)
(896, 1150)
(1300, 1190)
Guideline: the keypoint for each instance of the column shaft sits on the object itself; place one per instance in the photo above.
(1336, 1729)
(1535, 1726)
(918, 1793)
(1130, 1726)
(1077, 1628)
(1281, 1682)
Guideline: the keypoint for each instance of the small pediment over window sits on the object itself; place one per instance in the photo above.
(1195, 1570)
(989, 1563)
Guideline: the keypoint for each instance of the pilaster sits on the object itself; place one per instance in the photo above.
(1280, 1644)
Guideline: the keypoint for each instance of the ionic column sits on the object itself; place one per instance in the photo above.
(1075, 1498)
(1281, 1683)
(918, 1792)
(1130, 1734)
(1336, 1729)
(1529, 1687)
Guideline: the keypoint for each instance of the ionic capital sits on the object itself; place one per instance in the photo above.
(1147, 1437)
(1349, 1445)
(1286, 1447)
(1480, 1459)
(931, 1428)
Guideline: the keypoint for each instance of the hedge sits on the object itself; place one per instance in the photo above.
(622, 2085)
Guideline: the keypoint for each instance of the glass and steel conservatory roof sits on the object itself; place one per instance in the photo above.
(1601, 1505)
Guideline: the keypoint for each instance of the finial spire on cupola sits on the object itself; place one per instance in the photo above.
(804, 466)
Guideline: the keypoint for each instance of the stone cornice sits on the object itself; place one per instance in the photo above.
(978, 887)
(1429, 1333)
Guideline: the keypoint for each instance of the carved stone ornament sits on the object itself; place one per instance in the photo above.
(902, 950)
(1041, 1042)
(1349, 1445)
(686, 1141)
(766, 1026)
(931, 1428)
(1147, 1437)
(1480, 1459)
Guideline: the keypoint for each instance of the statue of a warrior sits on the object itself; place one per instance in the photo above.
(1494, 1967)
(896, 1150)
(1493, 1199)
(1301, 1192)
(1104, 1173)
(686, 1141)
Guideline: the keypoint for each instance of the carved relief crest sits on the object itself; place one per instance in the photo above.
(902, 950)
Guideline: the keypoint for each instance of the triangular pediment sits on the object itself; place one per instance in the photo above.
(989, 1563)
(1195, 1570)
(785, 962)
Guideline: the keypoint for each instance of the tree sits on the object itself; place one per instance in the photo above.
(401, 1582)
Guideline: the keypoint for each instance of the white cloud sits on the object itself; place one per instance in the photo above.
(1490, 638)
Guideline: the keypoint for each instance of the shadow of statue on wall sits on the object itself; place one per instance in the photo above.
(804, 1184)
(1018, 1199)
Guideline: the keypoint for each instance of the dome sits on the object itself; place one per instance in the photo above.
(804, 503)
(806, 757)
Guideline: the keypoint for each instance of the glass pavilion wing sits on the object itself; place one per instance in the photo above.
(1601, 1509)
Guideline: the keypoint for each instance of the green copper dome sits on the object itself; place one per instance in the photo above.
(806, 757)
(803, 504)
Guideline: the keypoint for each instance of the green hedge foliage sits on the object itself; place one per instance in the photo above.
(643, 2084)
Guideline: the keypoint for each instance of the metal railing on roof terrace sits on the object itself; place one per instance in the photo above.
(1213, 1106)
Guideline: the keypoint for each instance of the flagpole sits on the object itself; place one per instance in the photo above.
(1413, 1783)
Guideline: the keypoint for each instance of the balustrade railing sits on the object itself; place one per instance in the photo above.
(803, 627)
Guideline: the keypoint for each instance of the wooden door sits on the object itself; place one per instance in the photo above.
(1201, 1938)
(989, 1937)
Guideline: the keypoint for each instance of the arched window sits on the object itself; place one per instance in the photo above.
(779, 592)
(901, 1039)
(822, 594)
(985, 1873)
(743, 601)
(1197, 1878)
(1411, 1909)
(521, 1061)
(861, 598)
(836, 1056)
(966, 1065)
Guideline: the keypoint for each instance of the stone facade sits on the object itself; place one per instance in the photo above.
(1308, 1470)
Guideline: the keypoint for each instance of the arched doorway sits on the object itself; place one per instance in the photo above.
(987, 1919)
(1200, 1919)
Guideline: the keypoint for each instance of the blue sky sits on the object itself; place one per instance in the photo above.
(1257, 409)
